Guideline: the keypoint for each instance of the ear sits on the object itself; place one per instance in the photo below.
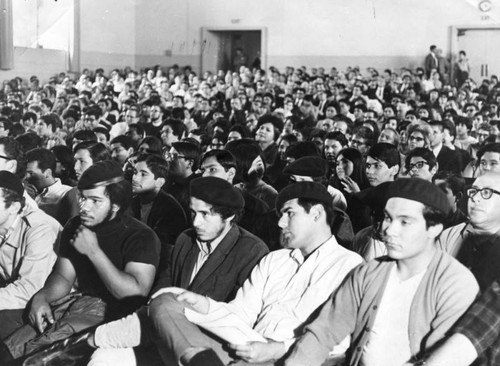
(115, 208)
(231, 174)
(434, 231)
(395, 169)
(434, 170)
(130, 151)
(317, 211)
(159, 182)
(48, 173)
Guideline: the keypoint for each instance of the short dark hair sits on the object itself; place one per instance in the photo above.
(494, 147)
(51, 120)
(97, 151)
(453, 181)
(103, 130)
(367, 134)
(13, 151)
(155, 163)
(179, 129)
(45, 158)
(337, 135)
(120, 194)
(223, 157)
(123, 140)
(154, 143)
(388, 153)
(433, 216)
(423, 153)
(307, 204)
(85, 135)
(190, 150)
(10, 196)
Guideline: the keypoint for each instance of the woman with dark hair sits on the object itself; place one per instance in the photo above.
(65, 165)
(150, 145)
(350, 175)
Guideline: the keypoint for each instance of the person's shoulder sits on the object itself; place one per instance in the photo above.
(447, 269)
(36, 218)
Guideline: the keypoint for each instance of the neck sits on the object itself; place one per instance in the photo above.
(263, 144)
(407, 268)
(316, 241)
(148, 197)
(486, 229)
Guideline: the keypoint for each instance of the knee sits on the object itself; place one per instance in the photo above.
(165, 303)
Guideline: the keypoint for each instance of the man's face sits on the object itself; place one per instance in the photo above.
(167, 136)
(43, 129)
(178, 163)
(119, 153)
(83, 161)
(212, 168)
(295, 224)
(490, 162)
(378, 172)
(134, 135)
(485, 213)
(131, 116)
(419, 168)
(405, 234)
(207, 224)
(359, 143)
(95, 207)
(35, 175)
(143, 180)
(332, 148)
(102, 138)
(155, 113)
(387, 136)
(330, 112)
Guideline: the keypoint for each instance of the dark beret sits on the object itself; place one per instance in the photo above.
(102, 173)
(420, 190)
(12, 182)
(309, 166)
(307, 190)
(216, 191)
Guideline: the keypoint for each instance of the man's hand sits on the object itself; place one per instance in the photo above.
(197, 302)
(255, 352)
(85, 241)
(40, 314)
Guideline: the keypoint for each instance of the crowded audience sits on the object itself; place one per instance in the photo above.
(344, 217)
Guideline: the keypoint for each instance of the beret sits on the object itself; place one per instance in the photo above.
(309, 166)
(11, 181)
(100, 174)
(420, 190)
(216, 191)
(307, 190)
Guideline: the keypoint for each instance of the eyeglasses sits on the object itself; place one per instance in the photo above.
(415, 138)
(5, 157)
(486, 193)
(172, 156)
(418, 165)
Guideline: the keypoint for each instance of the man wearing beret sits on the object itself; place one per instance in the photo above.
(27, 253)
(399, 306)
(281, 293)
(107, 256)
(213, 259)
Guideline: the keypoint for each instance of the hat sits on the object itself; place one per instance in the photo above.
(269, 118)
(217, 192)
(101, 174)
(307, 190)
(420, 190)
(309, 166)
(12, 182)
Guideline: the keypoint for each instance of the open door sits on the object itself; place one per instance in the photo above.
(219, 48)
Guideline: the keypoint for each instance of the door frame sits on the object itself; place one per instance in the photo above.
(263, 41)
(454, 29)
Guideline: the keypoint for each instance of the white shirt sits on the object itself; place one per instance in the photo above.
(50, 197)
(284, 289)
(390, 329)
(206, 248)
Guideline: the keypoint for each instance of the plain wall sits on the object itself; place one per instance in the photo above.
(379, 33)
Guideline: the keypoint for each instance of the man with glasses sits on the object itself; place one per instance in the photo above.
(363, 138)
(477, 243)
(132, 115)
(421, 163)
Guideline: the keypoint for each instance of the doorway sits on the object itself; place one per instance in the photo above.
(480, 45)
(219, 48)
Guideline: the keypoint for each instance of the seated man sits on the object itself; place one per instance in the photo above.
(397, 307)
(213, 258)
(28, 238)
(40, 170)
(109, 257)
(421, 163)
(281, 293)
(476, 335)
(476, 243)
(153, 206)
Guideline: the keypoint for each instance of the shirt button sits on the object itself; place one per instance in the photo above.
(375, 307)
(367, 329)
(358, 349)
